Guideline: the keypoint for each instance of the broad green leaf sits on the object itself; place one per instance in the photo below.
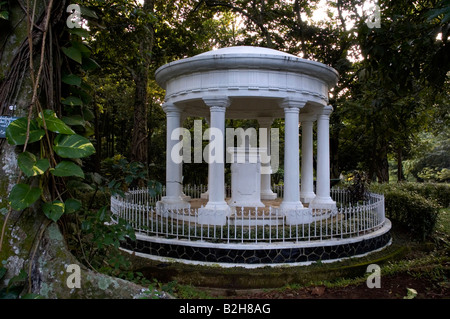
(86, 12)
(22, 276)
(412, 293)
(23, 196)
(72, 101)
(53, 123)
(53, 210)
(73, 146)
(41, 166)
(4, 15)
(77, 185)
(66, 168)
(2, 272)
(88, 114)
(72, 205)
(30, 166)
(73, 53)
(89, 64)
(74, 120)
(16, 132)
(85, 97)
(84, 50)
(80, 32)
(71, 79)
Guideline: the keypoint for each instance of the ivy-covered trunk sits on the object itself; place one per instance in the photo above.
(34, 257)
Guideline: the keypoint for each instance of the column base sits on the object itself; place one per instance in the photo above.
(185, 197)
(214, 213)
(298, 216)
(238, 203)
(323, 203)
(268, 195)
(291, 205)
(307, 198)
(172, 202)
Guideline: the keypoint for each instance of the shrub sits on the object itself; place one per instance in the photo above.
(410, 209)
(439, 192)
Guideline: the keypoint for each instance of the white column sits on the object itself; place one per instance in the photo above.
(291, 200)
(307, 169)
(216, 210)
(323, 199)
(205, 195)
(174, 187)
(266, 171)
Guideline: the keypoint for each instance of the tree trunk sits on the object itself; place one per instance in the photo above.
(400, 175)
(36, 245)
(382, 165)
(139, 141)
(139, 150)
(29, 241)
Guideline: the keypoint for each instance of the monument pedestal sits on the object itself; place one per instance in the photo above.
(245, 177)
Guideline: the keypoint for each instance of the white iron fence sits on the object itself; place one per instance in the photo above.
(245, 225)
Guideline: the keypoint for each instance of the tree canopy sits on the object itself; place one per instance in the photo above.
(393, 78)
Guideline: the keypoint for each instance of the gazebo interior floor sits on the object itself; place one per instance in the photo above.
(199, 202)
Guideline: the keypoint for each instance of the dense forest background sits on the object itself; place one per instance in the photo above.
(391, 105)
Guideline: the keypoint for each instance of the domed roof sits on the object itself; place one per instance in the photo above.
(245, 57)
(247, 50)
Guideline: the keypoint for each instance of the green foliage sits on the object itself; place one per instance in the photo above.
(409, 208)
(53, 210)
(73, 146)
(99, 240)
(30, 165)
(359, 183)
(57, 156)
(53, 123)
(4, 14)
(438, 192)
(432, 162)
(66, 168)
(155, 286)
(15, 286)
(23, 196)
(72, 101)
(124, 175)
(17, 132)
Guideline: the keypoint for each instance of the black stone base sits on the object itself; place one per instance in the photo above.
(296, 254)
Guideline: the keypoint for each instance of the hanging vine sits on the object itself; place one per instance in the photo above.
(51, 144)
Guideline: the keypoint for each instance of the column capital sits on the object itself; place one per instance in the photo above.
(291, 110)
(326, 111)
(292, 103)
(217, 101)
(170, 108)
(265, 121)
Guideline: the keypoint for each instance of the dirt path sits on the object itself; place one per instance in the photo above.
(392, 287)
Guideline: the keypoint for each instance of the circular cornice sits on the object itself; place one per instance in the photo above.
(246, 57)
